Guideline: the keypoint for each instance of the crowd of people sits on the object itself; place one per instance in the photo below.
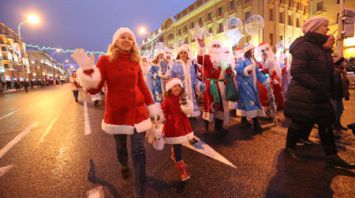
(26, 84)
(251, 82)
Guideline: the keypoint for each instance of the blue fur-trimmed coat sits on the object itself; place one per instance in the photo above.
(248, 99)
(156, 83)
(177, 71)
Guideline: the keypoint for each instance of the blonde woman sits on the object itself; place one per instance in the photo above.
(129, 104)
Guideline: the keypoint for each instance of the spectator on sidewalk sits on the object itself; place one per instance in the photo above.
(308, 98)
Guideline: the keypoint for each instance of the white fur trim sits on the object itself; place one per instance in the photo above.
(172, 82)
(154, 109)
(114, 129)
(188, 108)
(180, 139)
(251, 114)
(247, 47)
(87, 81)
(143, 126)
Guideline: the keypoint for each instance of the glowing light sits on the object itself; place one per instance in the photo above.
(142, 30)
(33, 19)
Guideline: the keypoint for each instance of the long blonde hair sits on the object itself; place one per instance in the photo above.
(113, 49)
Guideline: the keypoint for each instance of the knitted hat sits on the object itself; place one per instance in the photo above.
(122, 30)
(313, 23)
(172, 82)
(247, 47)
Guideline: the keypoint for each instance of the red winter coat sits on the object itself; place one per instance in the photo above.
(126, 97)
(211, 74)
(177, 128)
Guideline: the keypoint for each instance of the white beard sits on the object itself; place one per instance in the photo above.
(217, 56)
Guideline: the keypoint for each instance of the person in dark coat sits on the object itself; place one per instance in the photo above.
(308, 97)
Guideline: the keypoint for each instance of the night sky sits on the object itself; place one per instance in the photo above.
(89, 24)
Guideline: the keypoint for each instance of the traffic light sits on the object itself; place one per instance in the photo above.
(349, 20)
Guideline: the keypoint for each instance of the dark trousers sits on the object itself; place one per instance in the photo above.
(138, 158)
(297, 130)
(177, 152)
(76, 94)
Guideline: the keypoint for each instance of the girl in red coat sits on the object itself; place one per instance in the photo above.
(177, 128)
(129, 104)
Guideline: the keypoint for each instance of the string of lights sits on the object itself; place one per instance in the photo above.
(59, 49)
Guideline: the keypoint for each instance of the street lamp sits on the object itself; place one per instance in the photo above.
(31, 19)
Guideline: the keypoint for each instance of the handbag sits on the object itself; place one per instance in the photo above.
(230, 89)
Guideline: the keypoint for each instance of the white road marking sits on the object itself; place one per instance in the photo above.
(48, 129)
(5, 169)
(97, 192)
(7, 115)
(205, 149)
(86, 120)
(18, 138)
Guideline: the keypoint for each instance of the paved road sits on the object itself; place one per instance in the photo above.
(54, 147)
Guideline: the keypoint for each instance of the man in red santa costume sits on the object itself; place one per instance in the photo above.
(271, 67)
(129, 104)
(215, 104)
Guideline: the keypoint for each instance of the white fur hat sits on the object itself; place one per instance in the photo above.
(122, 30)
(313, 23)
(184, 47)
(172, 82)
(247, 47)
(263, 46)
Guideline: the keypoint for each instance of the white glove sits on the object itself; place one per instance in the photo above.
(83, 60)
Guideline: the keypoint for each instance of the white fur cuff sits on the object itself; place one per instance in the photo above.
(87, 81)
(154, 109)
(188, 108)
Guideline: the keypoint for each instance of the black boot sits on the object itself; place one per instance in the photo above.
(206, 124)
(336, 161)
(219, 127)
(125, 172)
(256, 126)
(244, 123)
(291, 153)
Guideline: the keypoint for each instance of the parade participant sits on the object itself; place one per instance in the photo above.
(145, 66)
(185, 71)
(215, 104)
(248, 99)
(155, 78)
(177, 128)
(75, 86)
(272, 68)
(128, 100)
(308, 96)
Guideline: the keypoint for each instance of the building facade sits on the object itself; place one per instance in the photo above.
(283, 21)
(330, 9)
(44, 67)
(13, 56)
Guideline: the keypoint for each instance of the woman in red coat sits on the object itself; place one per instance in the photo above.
(177, 128)
(129, 104)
